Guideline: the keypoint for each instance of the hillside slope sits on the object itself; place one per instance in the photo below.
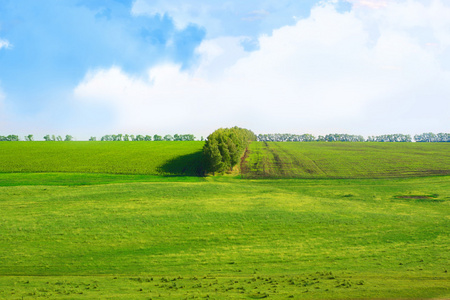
(345, 160)
(153, 158)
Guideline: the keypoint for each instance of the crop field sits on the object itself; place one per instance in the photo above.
(87, 220)
(272, 159)
(152, 158)
(345, 160)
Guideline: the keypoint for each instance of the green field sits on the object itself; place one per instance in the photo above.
(75, 235)
(153, 158)
(345, 160)
(227, 238)
(273, 159)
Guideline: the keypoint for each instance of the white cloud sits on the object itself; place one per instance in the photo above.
(5, 44)
(373, 4)
(328, 73)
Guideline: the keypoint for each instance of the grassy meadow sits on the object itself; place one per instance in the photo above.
(94, 235)
(151, 158)
(345, 160)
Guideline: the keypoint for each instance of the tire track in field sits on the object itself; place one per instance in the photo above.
(302, 165)
(277, 162)
(274, 160)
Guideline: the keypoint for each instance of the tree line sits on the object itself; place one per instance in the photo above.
(111, 137)
(287, 137)
(431, 137)
(140, 137)
(276, 137)
(224, 147)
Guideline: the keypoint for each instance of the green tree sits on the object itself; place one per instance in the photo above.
(212, 155)
(226, 145)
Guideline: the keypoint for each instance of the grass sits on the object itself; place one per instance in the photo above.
(275, 160)
(223, 238)
(145, 158)
(345, 160)
(97, 220)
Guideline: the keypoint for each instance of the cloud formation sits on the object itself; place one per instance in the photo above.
(4, 44)
(368, 72)
(374, 4)
(231, 18)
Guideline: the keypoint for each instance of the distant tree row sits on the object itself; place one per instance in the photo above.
(9, 138)
(139, 137)
(113, 137)
(58, 138)
(224, 147)
(431, 137)
(390, 138)
(30, 138)
(341, 138)
(286, 137)
(277, 137)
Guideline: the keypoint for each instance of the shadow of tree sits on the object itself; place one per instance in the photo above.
(185, 165)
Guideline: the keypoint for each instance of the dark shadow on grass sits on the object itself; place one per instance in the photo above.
(185, 165)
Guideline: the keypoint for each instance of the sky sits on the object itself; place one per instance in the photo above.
(96, 67)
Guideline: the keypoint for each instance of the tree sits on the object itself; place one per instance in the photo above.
(12, 138)
(92, 139)
(47, 138)
(168, 137)
(68, 138)
(431, 137)
(224, 147)
(213, 157)
(29, 138)
(107, 138)
(157, 137)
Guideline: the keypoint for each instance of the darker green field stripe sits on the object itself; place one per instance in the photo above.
(346, 160)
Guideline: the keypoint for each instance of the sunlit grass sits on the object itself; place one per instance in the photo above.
(150, 158)
(226, 238)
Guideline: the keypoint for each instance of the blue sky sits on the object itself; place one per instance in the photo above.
(94, 67)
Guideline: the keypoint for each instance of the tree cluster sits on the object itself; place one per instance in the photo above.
(286, 137)
(431, 137)
(277, 137)
(9, 138)
(58, 138)
(390, 138)
(341, 138)
(224, 147)
(140, 137)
